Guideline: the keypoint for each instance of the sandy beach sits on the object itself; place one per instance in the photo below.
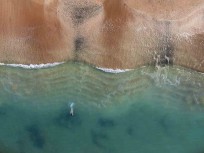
(114, 34)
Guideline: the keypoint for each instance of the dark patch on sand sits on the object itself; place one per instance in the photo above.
(81, 13)
(106, 123)
(35, 135)
(67, 121)
(98, 138)
(79, 43)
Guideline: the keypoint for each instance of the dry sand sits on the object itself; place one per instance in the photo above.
(121, 34)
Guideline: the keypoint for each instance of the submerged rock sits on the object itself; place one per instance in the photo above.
(36, 136)
(130, 131)
(106, 123)
(98, 139)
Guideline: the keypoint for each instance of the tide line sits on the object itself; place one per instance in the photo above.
(33, 66)
(108, 70)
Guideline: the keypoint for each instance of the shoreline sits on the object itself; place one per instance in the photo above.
(103, 69)
(48, 65)
(33, 66)
(109, 70)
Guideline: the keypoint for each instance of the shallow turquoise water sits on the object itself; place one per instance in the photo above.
(141, 111)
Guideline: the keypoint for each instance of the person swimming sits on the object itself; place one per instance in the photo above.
(71, 109)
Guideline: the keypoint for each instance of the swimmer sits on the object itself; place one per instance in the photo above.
(71, 109)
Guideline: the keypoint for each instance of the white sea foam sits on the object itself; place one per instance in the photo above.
(108, 70)
(33, 66)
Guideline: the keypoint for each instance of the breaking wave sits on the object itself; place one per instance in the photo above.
(33, 66)
(108, 70)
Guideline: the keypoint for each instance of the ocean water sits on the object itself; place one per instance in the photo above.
(146, 110)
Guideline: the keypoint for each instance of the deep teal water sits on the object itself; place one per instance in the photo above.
(141, 111)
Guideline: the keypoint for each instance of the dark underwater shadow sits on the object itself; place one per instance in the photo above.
(36, 136)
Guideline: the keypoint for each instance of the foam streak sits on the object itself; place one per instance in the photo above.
(108, 70)
(33, 66)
